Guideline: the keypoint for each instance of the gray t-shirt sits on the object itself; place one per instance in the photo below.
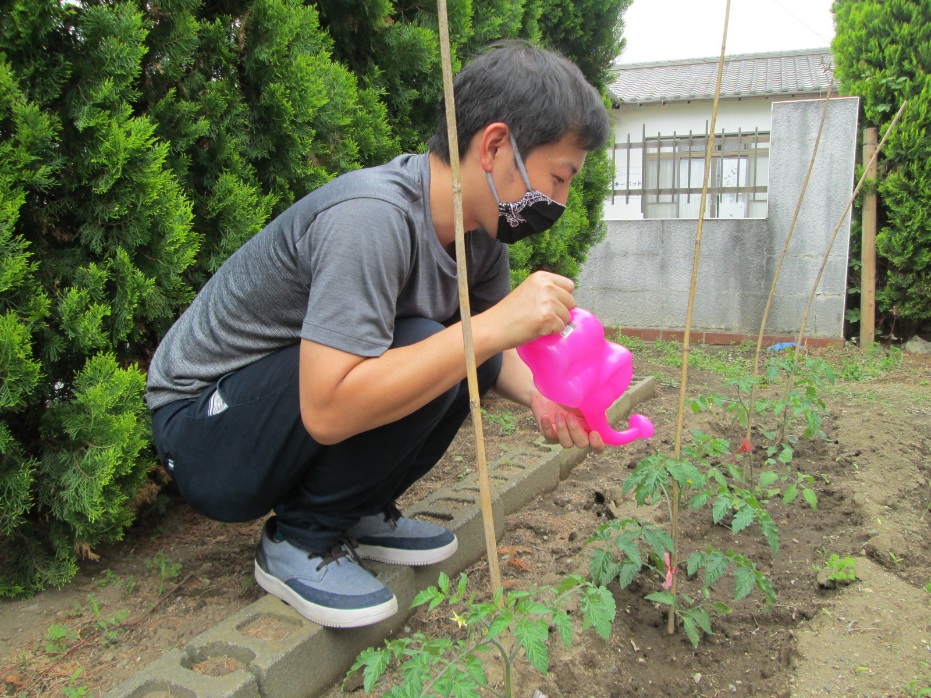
(337, 268)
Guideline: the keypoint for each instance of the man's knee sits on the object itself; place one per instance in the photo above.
(411, 330)
(488, 373)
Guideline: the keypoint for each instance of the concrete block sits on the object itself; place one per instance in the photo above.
(172, 675)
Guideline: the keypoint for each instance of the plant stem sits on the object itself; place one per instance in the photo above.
(507, 667)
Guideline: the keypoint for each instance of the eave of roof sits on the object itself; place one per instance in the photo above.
(799, 73)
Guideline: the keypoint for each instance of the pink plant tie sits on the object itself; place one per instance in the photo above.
(670, 572)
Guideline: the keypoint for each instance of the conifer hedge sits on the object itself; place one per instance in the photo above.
(882, 52)
(140, 145)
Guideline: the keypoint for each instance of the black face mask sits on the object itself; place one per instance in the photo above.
(534, 213)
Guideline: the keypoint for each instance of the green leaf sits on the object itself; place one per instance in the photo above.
(715, 565)
(663, 597)
(600, 609)
(427, 595)
(461, 588)
(810, 497)
(499, 624)
(602, 567)
(691, 630)
(695, 562)
(770, 531)
(628, 545)
(658, 539)
(767, 478)
(629, 571)
(686, 474)
(743, 518)
(570, 582)
(703, 618)
(720, 509)
(744, 581)
(532, 636)
(374, 661)
(790, 494)
(563, 626)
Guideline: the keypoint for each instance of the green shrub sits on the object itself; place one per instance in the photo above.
(882, 54)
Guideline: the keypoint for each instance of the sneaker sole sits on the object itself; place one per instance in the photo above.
(323, 615)
(414, 558)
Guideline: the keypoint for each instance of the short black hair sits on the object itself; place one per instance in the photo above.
(539, 94)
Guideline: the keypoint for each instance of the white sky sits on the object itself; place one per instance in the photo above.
(659, 30)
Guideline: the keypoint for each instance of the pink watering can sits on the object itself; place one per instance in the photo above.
(579, 368)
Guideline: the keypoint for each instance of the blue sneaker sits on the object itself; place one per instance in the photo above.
(391, 537)
(333, 590)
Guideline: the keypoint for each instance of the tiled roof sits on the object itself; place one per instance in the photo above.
(749, 75)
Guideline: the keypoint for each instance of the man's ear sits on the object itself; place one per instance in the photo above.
(491, 141)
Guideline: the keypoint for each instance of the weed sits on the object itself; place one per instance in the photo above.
(57, 638)
(635, 344)
(167, 569)
(869, 363)
(71, 690)
(919, 687)
(666, 353)
(506, 422)
(107, 579)
(840, 569)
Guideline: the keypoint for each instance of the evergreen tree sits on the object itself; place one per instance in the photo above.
(141, 145)
(882, 52)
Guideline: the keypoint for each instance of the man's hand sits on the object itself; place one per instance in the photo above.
(539, 306)
(563, 425)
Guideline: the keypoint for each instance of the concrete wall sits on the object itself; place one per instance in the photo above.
(639, 276)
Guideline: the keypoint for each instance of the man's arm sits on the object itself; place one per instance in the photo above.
(343, 394)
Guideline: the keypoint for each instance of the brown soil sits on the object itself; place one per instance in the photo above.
(177, 574)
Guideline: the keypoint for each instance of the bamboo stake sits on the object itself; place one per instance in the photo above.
(674, 557)
(488, 519)
(782, 258)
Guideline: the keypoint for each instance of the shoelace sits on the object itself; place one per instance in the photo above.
(344, 547)
(392, 513)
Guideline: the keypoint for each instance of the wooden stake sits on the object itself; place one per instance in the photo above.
(868, 246)
(488, 519)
